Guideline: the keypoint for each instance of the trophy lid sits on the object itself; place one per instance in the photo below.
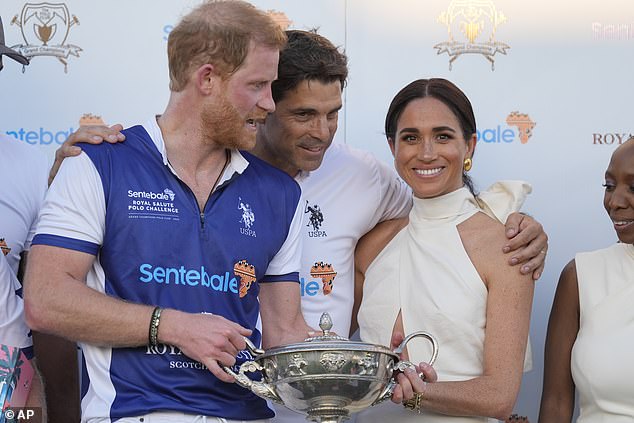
(326, 341)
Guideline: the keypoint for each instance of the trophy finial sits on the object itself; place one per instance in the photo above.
(325, 323)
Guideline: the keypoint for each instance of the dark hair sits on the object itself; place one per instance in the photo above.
(442, 90)
(308, 56)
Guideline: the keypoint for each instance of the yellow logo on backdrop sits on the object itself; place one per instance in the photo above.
(45, 28)
(471, 25)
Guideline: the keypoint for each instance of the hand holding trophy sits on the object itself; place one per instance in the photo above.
(327, 377)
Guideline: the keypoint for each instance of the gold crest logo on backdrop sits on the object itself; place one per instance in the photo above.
(45, 28)
(471, 25)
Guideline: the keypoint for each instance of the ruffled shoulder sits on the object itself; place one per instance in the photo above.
(503, 198)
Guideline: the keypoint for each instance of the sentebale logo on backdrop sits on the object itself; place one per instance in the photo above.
(45, 28)
(519, 126)
(471, 25)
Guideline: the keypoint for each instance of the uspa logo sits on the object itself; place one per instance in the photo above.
(471, 25)
(247, 219)
(45, 28)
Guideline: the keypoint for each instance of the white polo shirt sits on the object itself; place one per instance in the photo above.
(22, 192)
(347, 196)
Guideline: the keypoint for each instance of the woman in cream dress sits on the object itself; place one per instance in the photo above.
(442, 271)
(590, 340)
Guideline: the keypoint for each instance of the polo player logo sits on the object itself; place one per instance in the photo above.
(316, 216)
(248, 218)
(471, 25)
(45, 28)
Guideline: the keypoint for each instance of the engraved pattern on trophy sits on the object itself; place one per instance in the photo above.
(367, 364)
(297, 365)
(333, 361)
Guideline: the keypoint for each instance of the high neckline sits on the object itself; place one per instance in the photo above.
(455, 203)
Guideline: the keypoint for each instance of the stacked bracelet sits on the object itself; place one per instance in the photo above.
(154, 326)
(414, 403)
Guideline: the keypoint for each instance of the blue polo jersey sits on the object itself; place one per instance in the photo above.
(160, 249)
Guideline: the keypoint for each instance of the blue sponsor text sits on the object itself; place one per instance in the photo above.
(41, 136)
(496, 135)
(309, 288)
(188, 277)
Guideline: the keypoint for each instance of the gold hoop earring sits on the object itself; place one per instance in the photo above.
(467, 164)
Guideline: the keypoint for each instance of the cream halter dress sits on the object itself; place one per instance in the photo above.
(602, 361)
(426, 272)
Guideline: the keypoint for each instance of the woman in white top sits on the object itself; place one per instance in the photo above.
(591, 329)
(442, 270)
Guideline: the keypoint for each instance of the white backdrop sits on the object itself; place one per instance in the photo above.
(568, 66)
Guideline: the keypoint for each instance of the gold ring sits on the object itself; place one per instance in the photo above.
(413, 404)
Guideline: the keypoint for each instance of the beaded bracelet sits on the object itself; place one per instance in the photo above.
(154, 326)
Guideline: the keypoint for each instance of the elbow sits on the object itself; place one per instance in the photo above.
(502, 408)
(503, 411)
(36, 311)
(34, 314)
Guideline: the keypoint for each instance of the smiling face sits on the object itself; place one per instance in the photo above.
(618, 199)
(429, 148)
(303, 126)
(242, 100)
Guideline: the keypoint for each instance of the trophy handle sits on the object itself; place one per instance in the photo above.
(252, 348)
(261, 389)
(404, 364)
(426, 335)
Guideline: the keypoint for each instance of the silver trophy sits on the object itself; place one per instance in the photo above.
(326, 377)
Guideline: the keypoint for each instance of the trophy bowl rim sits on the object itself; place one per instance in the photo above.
(323, 346)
